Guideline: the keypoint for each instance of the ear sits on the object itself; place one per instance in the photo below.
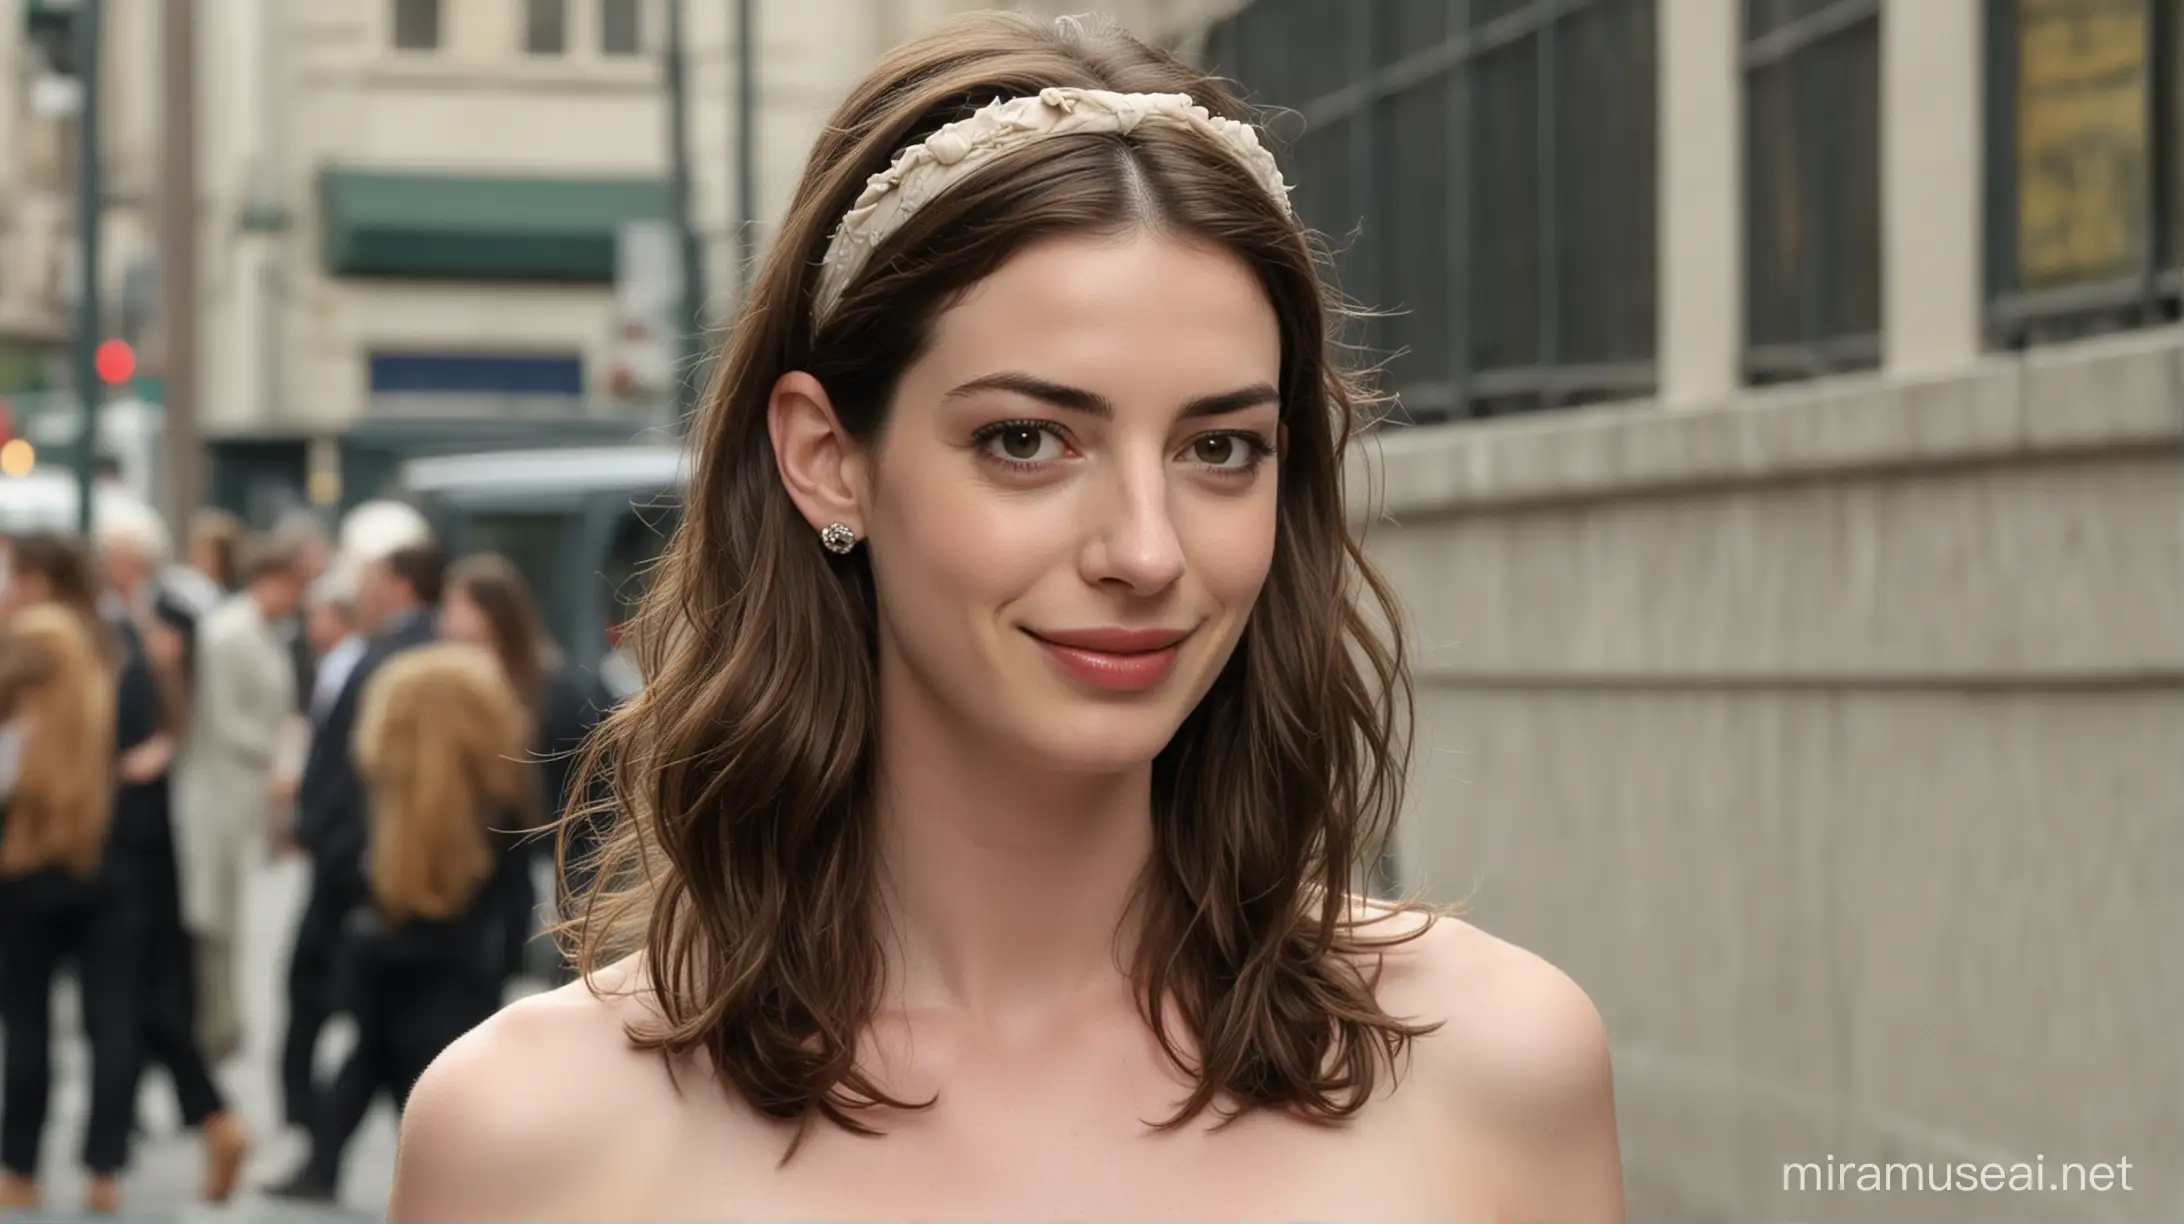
(818, 461)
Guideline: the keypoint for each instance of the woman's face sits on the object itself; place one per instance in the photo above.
(1072, 509)
(461, 620)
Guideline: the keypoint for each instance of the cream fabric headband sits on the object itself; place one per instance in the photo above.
(924, 171)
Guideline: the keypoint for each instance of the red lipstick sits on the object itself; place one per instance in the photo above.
(1114, 660)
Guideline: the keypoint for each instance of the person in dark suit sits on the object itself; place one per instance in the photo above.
(440, 741)
(395, 597)
(152, 618)
(490, 605)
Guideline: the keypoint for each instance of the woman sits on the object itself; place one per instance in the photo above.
(154, 696)
(1018, 712)
(57, 901)
(439, 742)
(488, 604)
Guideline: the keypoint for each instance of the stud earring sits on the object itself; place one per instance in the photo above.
(838, 538)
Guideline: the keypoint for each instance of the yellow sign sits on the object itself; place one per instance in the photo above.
(2082, 142)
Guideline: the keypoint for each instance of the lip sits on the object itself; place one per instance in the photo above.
(1114, 660)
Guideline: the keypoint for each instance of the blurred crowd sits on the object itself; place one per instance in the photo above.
(404, 724)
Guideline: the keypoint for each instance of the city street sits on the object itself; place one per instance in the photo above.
(162, 1183)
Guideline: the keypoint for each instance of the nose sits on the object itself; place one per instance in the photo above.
(1132, 539)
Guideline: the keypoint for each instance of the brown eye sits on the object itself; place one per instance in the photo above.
(1020, 442)
(1023, 443)
(1218, 450)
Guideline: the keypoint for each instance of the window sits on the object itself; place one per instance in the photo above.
(1487, 175)
(546, 27)
(2084, 228)
(475, 374)
(416, 25)
(618, 27)
(1812, 166)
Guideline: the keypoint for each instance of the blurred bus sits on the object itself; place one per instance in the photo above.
(583, 523)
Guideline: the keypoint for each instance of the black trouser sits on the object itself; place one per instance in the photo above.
(46, 919)
(170, 990)
(520, 898)
(406, 1014)
(336, 889)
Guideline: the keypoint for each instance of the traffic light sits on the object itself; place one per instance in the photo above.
(115, 362)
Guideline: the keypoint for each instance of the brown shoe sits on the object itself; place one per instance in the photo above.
(18, 1193)
(102, 1196)
(226, 1144)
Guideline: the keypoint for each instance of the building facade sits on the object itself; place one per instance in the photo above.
(39, 269)
(1792, 540)
(408, 209)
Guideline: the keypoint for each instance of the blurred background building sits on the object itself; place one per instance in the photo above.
(410, 211)
(1783, 485)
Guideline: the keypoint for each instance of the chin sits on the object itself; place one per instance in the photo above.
(1082, 737)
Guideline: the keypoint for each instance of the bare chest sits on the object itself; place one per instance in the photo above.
(1082, 1146)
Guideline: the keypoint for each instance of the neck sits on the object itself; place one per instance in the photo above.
(1007, 886)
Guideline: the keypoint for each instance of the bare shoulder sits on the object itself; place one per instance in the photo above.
(1509, 1020)
(1520, 1058)
(505, 1124)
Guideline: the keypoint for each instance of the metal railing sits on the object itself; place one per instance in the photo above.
(2085, 232)
(1487, 172)
(1812, 268)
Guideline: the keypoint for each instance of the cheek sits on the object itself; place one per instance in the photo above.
(961, 545)
(1231, 548)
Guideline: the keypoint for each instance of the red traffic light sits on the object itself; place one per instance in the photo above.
(115, 361)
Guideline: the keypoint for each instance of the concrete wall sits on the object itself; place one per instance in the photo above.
(1832, 739)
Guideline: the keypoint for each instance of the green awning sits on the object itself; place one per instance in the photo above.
(438, 226)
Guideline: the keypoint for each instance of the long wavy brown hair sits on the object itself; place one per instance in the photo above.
(744, 860)
(439, 742)
(527, 652)
(55, 679)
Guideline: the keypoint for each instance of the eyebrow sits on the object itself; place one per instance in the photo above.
(1091, 403)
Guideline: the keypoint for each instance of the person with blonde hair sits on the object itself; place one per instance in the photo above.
(441, 743)
(1021, 711)
(58, 903)
(489, 604)
(392, 603)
